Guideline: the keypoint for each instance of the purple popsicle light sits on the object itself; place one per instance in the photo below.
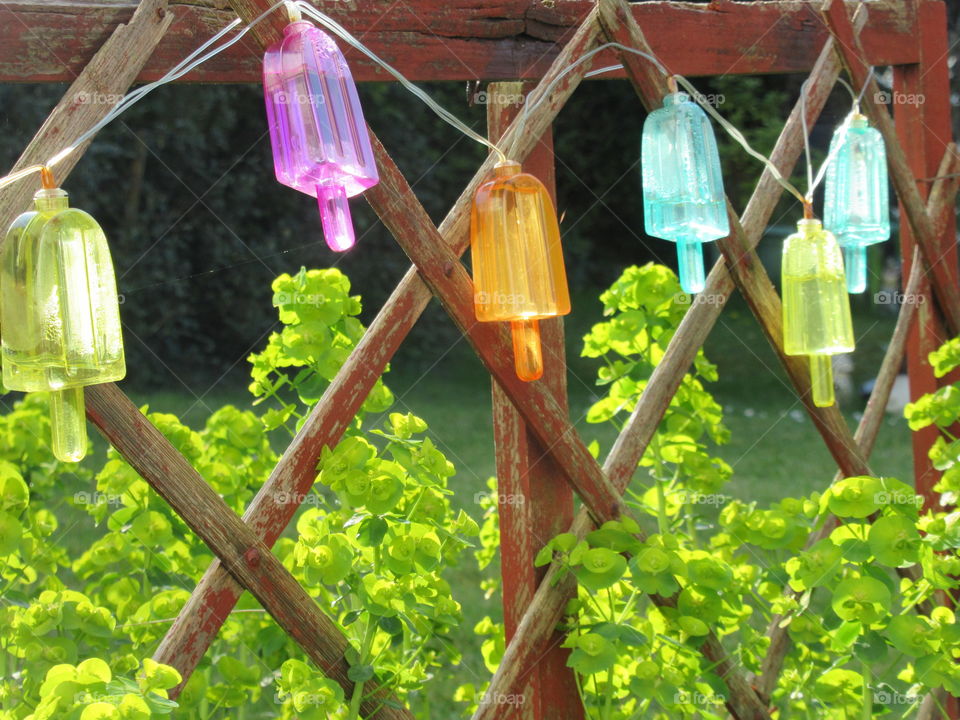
(320, 142)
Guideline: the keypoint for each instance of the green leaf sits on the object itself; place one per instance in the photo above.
(360, 673)
(371, 532)
(894, 541)
(856, 497)
(592, 653)
(10, 533)
(912, 635)
(600, 569)
(693, 626)
(864, 599)
(100, 711)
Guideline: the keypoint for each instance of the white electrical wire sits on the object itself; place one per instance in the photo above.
(576, 63)
(182, 68)
(440, 111)
(296, 7)
(814, 183)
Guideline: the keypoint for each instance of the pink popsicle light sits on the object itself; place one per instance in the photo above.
(320, 142)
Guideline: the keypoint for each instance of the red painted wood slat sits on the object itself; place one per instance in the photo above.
(242, 552)
(534, 504)
(51, 41)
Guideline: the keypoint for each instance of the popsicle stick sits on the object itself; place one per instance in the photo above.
(239, 548)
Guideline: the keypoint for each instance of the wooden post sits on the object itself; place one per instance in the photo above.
(533, 501)
(921, 106)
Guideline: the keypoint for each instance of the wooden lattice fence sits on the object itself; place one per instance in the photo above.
(536, 442)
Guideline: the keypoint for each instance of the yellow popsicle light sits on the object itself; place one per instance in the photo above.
(816, 307)
(518, 270)
(60, 315)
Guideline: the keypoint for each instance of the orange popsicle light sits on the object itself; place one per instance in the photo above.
(518, 272)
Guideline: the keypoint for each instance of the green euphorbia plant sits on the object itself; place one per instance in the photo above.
(374, 539)
(858, 601)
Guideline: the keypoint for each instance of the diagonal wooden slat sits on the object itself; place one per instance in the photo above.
(276, 503)
(244, 555)
(109, 74)
(941, 203)
(746, 268)
(546, 609)
(851, 51)
(443, 272)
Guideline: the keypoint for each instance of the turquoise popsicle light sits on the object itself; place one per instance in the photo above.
(683, 197)
(856, 196)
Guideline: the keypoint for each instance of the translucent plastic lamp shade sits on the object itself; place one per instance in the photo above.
(60, 315)
(856, 196)
(518, 270)
(683, 198)
(816, 308)
(320, 142)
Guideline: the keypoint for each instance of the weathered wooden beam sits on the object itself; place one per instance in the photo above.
(742, 261)
(940, 206)
(942, 274)
(51, 40)
(533, 502)
(547, 607)
(446, 276)
(241, 551)
(275, 504)
(866, 436)
(111, 70)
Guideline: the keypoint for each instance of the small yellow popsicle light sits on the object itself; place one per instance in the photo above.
(816, 307)
(518, 270)
(60, 313)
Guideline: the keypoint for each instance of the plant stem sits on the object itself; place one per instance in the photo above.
(866, 712)
(368, 634)
(662, 523)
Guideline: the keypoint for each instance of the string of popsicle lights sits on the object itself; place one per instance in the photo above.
(296, 8)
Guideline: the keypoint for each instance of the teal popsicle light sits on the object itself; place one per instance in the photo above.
(683, 198)
(856, 204)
